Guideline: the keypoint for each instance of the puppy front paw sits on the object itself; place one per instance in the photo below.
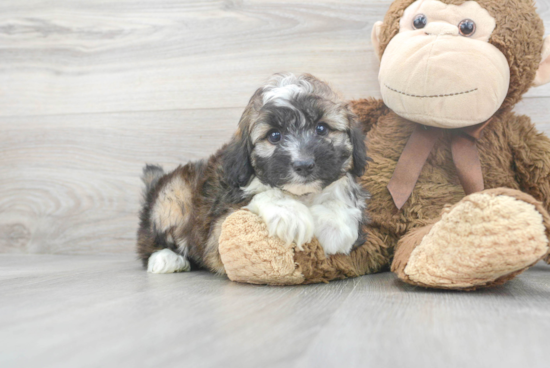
(286, 219)
(290, 225)
(335, 239)
(336, 230)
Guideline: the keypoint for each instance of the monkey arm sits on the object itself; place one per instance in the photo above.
(368, 110)
(531, 150)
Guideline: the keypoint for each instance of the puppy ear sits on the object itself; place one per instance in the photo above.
(236, 161)
(359, 147)
(237, 166)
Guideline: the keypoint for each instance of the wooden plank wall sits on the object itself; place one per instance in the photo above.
(92, 89)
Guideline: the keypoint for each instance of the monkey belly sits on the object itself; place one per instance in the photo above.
(438, 184)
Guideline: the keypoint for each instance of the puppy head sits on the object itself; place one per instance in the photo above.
(296, 135)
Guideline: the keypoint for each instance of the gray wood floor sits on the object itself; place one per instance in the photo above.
(105, 311)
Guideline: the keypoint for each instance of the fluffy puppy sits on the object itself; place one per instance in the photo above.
(294, 161)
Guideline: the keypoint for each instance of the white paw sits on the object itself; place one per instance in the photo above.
(335, 239)
(289, 225)
(336, 229)
(286, 218)
(166, 261)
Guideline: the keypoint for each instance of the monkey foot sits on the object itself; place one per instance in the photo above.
(250, 255)
(485, 240)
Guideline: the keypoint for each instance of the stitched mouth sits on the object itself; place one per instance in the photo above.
(432, 96)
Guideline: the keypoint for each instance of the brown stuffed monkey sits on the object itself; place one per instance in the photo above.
(460, 185)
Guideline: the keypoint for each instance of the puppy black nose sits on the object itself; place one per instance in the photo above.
(303, 168)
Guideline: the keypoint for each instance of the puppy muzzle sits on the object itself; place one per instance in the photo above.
(304, 168)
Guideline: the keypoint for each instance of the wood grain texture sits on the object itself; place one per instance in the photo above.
(70, 184)
(67, 311)
(90, 56)
(90, 90)
(104, 56)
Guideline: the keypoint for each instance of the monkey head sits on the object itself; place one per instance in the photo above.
(455, 63)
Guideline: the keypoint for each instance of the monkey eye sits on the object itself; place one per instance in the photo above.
(467, 27)
(274, 136)
(322, 129)
(420, 21)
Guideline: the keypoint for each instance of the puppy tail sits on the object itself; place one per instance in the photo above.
(151, 176)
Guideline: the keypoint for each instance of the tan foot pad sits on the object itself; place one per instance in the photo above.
(249, 255)
(483, 238)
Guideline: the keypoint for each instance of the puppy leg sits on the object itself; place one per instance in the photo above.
(338, 214)
(166, 261)
(161, 243)
(336, 226)
(212, 258)
(285, 217)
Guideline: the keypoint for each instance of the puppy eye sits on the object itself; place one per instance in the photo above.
(420, 21)
(274, 136)
(322, 129)
(467, 27)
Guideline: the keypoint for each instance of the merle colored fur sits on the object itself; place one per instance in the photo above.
(183, 210)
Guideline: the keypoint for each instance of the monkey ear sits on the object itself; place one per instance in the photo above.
(359, 153)
(236, 164)
(543, 74)
(375, 38)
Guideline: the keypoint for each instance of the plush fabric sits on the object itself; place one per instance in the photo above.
(441, 238)
(474, 242)
(518, 37)
(439, 98)
(250, 255)
(543, 74)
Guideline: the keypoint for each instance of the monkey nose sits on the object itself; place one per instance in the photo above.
(304, 167)
(440, 29)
